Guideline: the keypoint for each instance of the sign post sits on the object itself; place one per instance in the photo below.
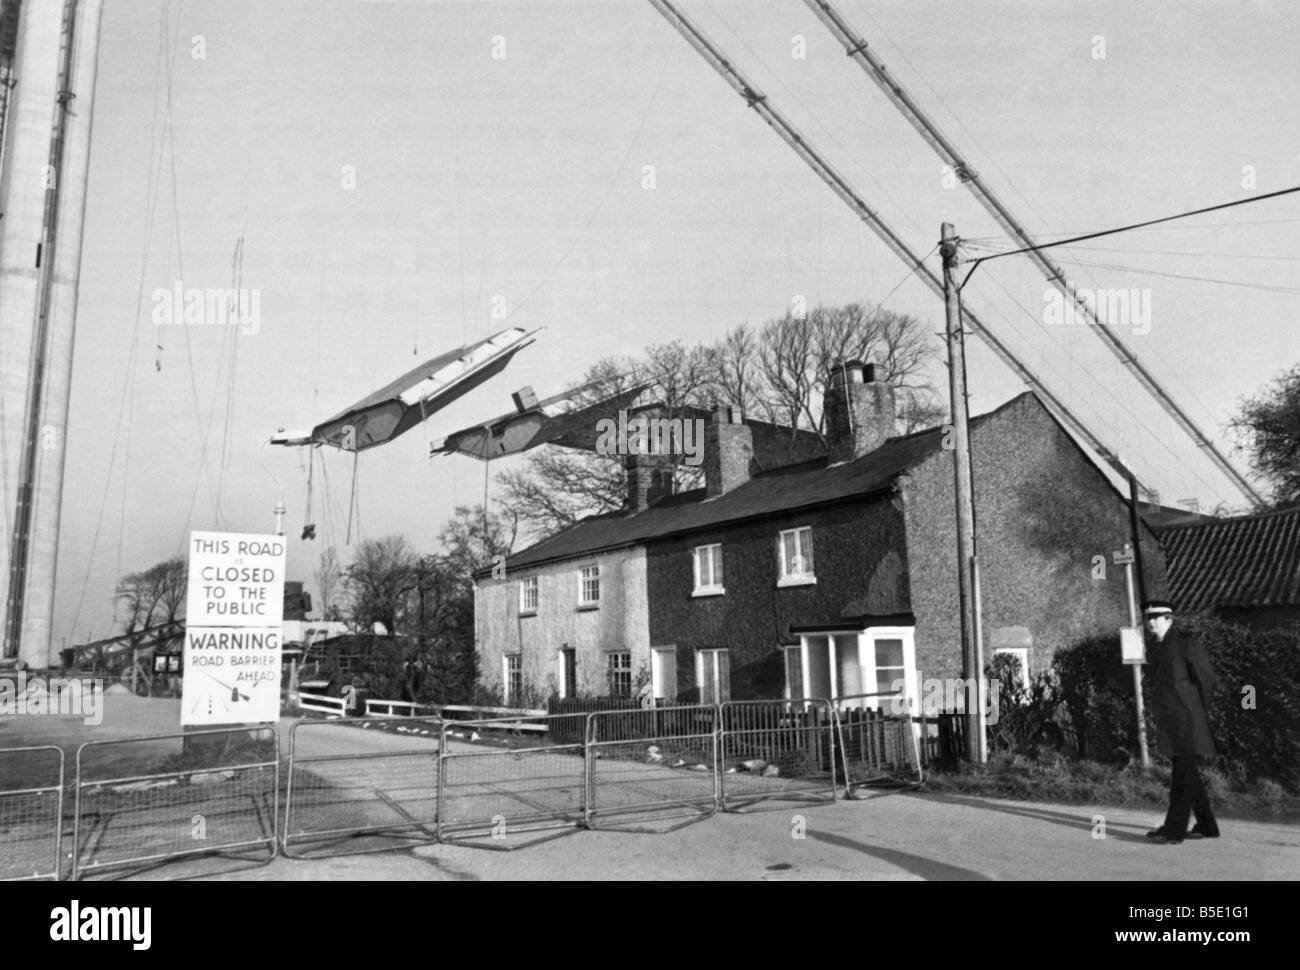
(1133, 649)
(234, 613)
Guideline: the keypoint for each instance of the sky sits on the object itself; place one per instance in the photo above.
(410, 175)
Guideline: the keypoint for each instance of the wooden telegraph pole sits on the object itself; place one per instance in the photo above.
(967, 567)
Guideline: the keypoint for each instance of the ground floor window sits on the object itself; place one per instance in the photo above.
(713, 674)
(512, 680)
(618, 673)
(875, 667)
(1021, 656)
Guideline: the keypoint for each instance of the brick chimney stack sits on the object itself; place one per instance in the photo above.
(728, 451)
(649, 478)
(859, 408)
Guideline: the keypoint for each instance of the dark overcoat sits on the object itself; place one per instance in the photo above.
(1181, 684)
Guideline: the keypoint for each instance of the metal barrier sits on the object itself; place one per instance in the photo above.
(652, 763)
(218, 792)
(503, 776)
(362, 776)
(876, 748)
(777, 751)
(31, 812)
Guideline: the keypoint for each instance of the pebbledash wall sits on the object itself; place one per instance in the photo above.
(856, 562)
(617, 623)
(1043, 512)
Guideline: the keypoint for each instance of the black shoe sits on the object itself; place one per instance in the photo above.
(1203, 832)
(1161, 837)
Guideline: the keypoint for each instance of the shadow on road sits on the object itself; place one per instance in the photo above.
(1066, 819)
(915, 864)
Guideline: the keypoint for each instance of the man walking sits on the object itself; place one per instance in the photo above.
(1182, 684)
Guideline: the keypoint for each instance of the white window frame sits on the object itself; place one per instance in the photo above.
(804, 577)
(507, 696)
(715, 569)
(867, 663)
(583, 579)
(527, 585)
(611, 669)
(1022, 653)
(709, 656)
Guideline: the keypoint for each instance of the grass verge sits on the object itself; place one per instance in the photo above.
(1052, 778)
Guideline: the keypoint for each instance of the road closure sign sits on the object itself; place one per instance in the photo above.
(233, 615)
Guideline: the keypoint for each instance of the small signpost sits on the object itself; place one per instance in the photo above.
(234, 611)
(1132, 648)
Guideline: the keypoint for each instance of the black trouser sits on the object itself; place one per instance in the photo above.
(1187, 795)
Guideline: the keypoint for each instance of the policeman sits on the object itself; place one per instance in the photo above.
(1181, 684)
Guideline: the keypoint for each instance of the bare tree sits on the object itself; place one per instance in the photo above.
(154, 596)
(379, 583)
(1267, 429)
(329, 581)
(777, 371)
(556, 488)
(734, 364)
(473, 538)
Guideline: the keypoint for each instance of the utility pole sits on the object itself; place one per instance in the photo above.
(1127, 559)
(972, 661)
(1135, 527)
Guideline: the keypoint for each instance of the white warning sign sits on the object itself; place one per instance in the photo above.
(234, 609)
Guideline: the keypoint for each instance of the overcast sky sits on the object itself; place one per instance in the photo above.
(521, 178)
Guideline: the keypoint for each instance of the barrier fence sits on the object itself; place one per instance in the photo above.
(876, 746)
(417, 780)
(777, 751)
(651, 764)
(31, 812)
(503, 776)
(360, 777)
(151, 799)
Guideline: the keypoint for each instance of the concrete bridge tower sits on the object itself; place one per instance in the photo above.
(48, 53)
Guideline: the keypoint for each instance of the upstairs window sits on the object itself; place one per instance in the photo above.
(589, 586)
(795, 557)
(528, 595)
(708, 569)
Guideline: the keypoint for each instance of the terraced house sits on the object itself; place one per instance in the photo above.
(834, 576)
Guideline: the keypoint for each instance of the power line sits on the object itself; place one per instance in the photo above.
(1268, 287)
(857, 49)
(1139, 225)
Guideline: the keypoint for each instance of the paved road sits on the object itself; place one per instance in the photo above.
(900, 836)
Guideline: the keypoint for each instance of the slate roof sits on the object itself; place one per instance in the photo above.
(1246, 561)
(785, 489)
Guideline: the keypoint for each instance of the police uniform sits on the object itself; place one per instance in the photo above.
(1181, 684)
